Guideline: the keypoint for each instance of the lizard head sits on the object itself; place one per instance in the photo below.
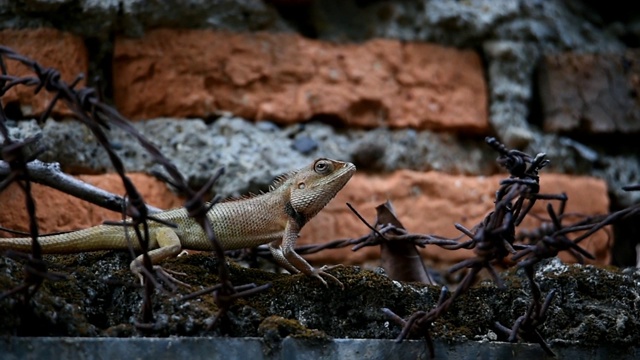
(314, 186)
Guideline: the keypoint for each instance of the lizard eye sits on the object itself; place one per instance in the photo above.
(322, 167)
(301, 185)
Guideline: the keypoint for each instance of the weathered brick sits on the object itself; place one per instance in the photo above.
(51, 48)
(595, 93)
(287, 78)
(57, 211)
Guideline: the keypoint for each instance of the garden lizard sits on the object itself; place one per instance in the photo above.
(275, 217)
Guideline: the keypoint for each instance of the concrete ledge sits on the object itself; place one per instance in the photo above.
(255, 348)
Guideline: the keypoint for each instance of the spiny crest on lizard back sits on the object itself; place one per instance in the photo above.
(277, 182)
(281, 179)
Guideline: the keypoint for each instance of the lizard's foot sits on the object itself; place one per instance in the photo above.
(168, 275)
(319, 273)
(165, 274)
(331, 267)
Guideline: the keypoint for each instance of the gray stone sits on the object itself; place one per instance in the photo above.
(425, 150)
(100, 19)
(75, 148)
(573, 157)
(593, 307)
(511, 66)
(563, 156)
(553, 25)
(242, 15)
(23, 130)
(88, 18)
(251, 157)
(20, 130)
(254, 154)
(621, 171)
(304, 144)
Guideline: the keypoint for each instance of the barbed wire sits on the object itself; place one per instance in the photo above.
(492, 240)
(98, 117)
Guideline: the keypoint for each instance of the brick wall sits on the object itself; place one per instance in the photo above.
(287, 79)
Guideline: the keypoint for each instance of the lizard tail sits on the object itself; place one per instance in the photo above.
(97, 238)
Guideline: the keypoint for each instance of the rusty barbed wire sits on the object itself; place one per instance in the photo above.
(420, 319)
(98, 116)
(493, 239)
(613, 217)
(35, 269)
(526, 326)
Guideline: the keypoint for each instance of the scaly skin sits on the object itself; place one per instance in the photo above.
(275, 217)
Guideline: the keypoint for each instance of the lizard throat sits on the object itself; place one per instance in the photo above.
(299, 218)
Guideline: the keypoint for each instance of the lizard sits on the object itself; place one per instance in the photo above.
(274, 218)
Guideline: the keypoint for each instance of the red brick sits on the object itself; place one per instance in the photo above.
(592, 93)
(51, 48)
(57, 211)
(287, 78)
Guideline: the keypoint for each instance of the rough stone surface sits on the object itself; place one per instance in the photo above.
(253, 154)
(573, 157)
(593, 306)
(243, 15)
(285, 78)
(384, 150)
(51, 48)
(426, 202)
(621, 171)
(592, 93)
(88, 18)
(101, 18)
(554, 25)
(432, 202)
(510, 72)
(252, 158)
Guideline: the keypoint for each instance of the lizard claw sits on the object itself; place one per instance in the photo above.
(165, 274)
(168, 275)
(319, 273)
(331, 267)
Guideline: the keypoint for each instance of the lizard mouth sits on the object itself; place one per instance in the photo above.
(345, 172)
(340, 176)
(349, 168)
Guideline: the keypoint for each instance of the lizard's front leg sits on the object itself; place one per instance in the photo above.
(168, 246)
(289, 239)
(278, 256)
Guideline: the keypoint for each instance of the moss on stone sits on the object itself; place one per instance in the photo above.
(593, 306)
